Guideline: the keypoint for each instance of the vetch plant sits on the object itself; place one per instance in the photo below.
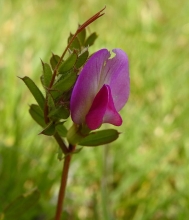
(92, 89)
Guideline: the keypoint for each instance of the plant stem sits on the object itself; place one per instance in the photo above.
(61, 143)
(63, 183)
(67, 151)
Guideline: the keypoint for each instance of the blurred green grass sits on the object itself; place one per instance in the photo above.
(144, 175)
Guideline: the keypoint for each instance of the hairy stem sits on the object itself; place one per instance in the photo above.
(64, 178)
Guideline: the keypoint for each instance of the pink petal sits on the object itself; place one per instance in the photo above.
(103, 110)
(117, 70)
(87, 86)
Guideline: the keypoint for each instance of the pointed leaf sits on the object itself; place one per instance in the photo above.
(81, 36)
(35, 91)
(82, 59)
(91, 39)
(54, 60)
(61, 129)
(21, 205)
(50, 101)
(47, 74)
(64, 84)
(49, 130)
(59, 113)
(75, 44)
(37, 114)
(100, 138)
(68, 63)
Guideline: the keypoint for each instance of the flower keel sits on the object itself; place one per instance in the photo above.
(103, 110)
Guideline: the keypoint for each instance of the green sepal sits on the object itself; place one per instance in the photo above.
(91, 39)
(21, 205)
(37, 94)
(99, 138)
(75, 45)
(68, 64)
(54, 60)
(82, 59)
(74, 134)
(49, 130)
(59, 113)
(47, 74)
(37, 114)
(82, 36)
(61, 129)
(65, 83)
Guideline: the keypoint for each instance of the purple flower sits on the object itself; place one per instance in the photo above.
(101, 90)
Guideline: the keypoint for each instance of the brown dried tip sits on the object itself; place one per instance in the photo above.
(90, 20)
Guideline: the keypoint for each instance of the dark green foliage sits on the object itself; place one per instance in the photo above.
(54, 60)
(90, 40)
(35, 91)
(58, 79)
(47, 74)
(37, 114)
(82, 59)
(64, 84)
(82, 36)
(68, 64)
(49, 130)
(75, 45)
(60, 112)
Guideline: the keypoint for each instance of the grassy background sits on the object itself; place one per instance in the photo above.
(144, 175)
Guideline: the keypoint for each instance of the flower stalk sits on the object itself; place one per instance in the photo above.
(63, 183)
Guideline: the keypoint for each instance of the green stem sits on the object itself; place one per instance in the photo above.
(64, 178)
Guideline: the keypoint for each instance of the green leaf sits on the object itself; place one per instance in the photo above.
(37, 114)
(50, 101)
(82, 59)
(64, 84)
(100, 138)
(81, 36)
(75, 44)
(91, 39)
(68, 64)
(59, 113)
(21, 205)
(47, 74)
(35, 91)
(49, 130)
(54, 60)
(61, 129)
